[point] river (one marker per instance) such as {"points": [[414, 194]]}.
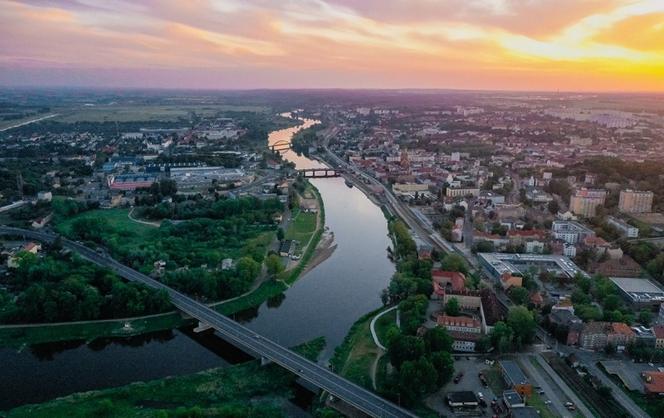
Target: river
{"points": [[325, 302]]}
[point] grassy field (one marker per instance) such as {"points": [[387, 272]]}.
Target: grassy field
{"points": [[354, 357], [290, 276], [146, 113], [117, 219], [495, 379], [537, 402], [247, 389], [302, 227]]}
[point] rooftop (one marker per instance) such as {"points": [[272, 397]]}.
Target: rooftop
{"points": [[465, 397], [502, 263], [639, 290], [654, 382], [512, 398], [513, 373]]}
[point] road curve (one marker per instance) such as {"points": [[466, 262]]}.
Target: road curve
{"points": [[362, 399]]}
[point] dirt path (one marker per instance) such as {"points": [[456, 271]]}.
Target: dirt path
{"points": [[130, 215], [374, 368]]}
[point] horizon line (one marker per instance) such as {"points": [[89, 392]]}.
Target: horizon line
{"points": [[322, 89]]}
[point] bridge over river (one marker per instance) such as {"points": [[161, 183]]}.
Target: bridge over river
{"points": [[360, 398]]}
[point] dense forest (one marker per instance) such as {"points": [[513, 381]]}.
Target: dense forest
{"points": [[58, 288], [249, 209]]}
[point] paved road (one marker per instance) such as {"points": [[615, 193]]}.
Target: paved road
{"points": [[583, 409], [372, 326], [351, 393], [541, 381], [28, 122]]}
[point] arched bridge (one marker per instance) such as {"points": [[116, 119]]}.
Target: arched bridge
{"points": [[320, 172], [243, 337]]}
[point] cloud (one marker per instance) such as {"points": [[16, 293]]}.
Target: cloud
{"points": [[382, 43]]}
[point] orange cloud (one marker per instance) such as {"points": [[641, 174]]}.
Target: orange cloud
{"points": [[539, 44]]}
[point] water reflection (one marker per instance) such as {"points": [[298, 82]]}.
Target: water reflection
{"points": [[324, 302]]}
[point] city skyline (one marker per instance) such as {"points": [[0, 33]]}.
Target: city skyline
{"points": [[594, 45]]}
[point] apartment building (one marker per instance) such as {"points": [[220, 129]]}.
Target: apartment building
{"points": [[635, 201], [584, 202], [623, 227]]}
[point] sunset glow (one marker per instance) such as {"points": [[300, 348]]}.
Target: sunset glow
{"points": [[615, 45]]}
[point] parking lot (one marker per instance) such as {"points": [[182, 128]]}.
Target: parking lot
{"points": [[470, 367]]}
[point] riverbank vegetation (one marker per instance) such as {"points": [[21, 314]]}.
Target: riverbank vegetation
{"points": [[60, 286], [244, 390], [190, 250], [196, 280], [417, 361]]}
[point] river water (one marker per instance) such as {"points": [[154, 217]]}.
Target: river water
{"points": [[323, 302]]}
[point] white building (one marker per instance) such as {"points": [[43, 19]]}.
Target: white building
{"points": [[571, 232], [623, 227]]}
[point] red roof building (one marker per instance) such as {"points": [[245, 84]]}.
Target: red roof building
{"points": [[653, 382], [447, 280], [459, 323]]}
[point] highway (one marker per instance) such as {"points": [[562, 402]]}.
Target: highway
{"points": [[354, 395]]}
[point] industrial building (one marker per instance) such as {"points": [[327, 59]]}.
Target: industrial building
{"points": [[497, 264], [130, 182], [201, 177], [639, 292]]}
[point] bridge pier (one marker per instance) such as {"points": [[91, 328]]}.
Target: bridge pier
{"points": [[265, 361], [202, 326]]}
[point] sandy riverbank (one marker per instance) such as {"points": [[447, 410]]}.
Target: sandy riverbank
{"points": [[323, 251]]}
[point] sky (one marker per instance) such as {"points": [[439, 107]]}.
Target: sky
{"points": [[550, 45]]}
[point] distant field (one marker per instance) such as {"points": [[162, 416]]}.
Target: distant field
{"points": [[139, 113]]}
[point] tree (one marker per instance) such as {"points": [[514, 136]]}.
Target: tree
{"points": [[553, 206], [413, 311], [405, 348], [645, 317], [417, 378], [452, 307], [521, 320], [611, 302], [438, 339], [444, 364], [519, 295], [483, 246], [274, 264], [501, 337], [247, 269], [454, 262], [280, 234]]}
